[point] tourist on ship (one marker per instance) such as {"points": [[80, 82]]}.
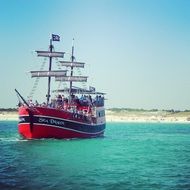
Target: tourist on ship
{"points": [[59, 100]]}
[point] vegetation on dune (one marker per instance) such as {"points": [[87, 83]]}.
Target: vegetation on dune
{"points": [[144, 110], [8, 109], [121, 110]]}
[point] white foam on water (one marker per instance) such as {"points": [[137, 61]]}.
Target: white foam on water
{"points": [[11, 139]]}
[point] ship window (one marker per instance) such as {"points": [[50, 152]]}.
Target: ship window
{"points": [[101, 113]]}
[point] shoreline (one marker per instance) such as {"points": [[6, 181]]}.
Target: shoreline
{"points": [[147, 117], [139, 120], [8, 116], [128, 117]]}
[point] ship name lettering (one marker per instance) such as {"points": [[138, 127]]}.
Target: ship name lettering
{"points": [[43, 120], [21, 119], [56, 122]]}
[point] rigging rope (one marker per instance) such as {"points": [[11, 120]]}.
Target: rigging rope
{"points": [[33, 90], [61, 82], [80, 74]]}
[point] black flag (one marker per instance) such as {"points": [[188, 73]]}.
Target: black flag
{"points": [[55, 37]]}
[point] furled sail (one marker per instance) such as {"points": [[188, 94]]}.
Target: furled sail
{"points": [[72, 64], [59, 73], [72, 78], [50, 54], [77, 90]]}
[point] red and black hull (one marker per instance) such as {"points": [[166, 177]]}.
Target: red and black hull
{"points": [[43, 122]]}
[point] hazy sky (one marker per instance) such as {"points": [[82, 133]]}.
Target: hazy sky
{"points": [[137, 51]]}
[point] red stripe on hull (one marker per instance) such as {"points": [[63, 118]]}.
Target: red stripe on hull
{"points": [[40, 131], [43, 111]]}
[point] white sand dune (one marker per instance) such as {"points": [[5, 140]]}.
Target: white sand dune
{"points": [[8, 116], [147, 116]]}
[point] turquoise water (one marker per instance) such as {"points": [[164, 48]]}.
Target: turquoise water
{"points": [[130, 156]]}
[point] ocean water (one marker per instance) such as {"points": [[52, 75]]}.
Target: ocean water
{"points": [[131, 156]]}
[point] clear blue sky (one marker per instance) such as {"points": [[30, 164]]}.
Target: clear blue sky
{"points": [[137, 51]]}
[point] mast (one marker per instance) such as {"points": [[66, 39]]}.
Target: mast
{"points": [[50, 73], [49, 78], [72, 60]]}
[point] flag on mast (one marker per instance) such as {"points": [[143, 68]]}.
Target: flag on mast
{"points": [[55, 37]]}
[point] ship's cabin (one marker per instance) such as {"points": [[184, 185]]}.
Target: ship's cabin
{"points": [[84, 102]]}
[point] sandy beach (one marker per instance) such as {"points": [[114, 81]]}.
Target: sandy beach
{"points": [[8, 116], [147, 116], [125, 116]]}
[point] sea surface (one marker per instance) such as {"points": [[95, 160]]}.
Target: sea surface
{"points": [[131, 156]]}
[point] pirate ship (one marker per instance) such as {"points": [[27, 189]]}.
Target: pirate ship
{"points": [[73, 112]]}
